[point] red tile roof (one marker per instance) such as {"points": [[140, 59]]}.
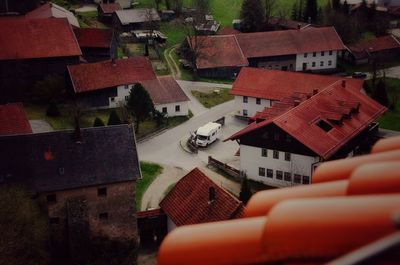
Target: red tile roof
{"points": [[218, 51], [105, 74], [164, 90], [94, 38], [48, 10], [36, 38], [287, 42], [188, 202], [362, 49], [13, 120], [110, 8], [275, 85], [228, 31], [345, 109]]}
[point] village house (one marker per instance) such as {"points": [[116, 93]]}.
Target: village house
{"points": [[105, 11], [96, 44], [381, 48], [84, 180], [307, 49], [136, 19], [13, 120], [255, 89], [48, 10], [287, 141], [197, 199], [31, 50]]}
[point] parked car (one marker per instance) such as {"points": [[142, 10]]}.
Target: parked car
{"points": [[359, 75]]}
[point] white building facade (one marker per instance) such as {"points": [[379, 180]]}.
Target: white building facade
{"points": [[276, 168], [249, 106], [316, 61]]}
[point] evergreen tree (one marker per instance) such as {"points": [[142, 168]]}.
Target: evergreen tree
{"points": [[252, 15], [98, 122], [113, 119], [295, 12], [380, 93], [245, 192], [140, 103], [52, 110], [311, 11], [336, 5], [346, 8]]}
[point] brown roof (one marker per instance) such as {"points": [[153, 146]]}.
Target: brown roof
{"points": [[13, 120], [164, 90], [105, 74], [110, 8], [228, 31], [188, 202], [93, 37], [218, 51], [287, 42], [275, 85], [362, 49], [36, 38]]}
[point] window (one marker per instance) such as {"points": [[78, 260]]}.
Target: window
{"points": [[258, 101], [288, 138], [287, 156], [288, 176], [314, 54], [261, 172], [276, 136], [126, 86], [322, 53], [270, 173], [306, 180], [102, 192], [264, 152], [279, 175], [321, 63], [103, 216], [313, 64], [324, 125], [54, 220], [126, 98], [276, 154], [51, 198], [296, 178], [330, 52], [329, 62], [177, 108], [305, 55], [245, 112], [245, 99], [112, 99], [164, 110]]}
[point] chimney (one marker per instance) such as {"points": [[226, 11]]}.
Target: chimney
{"points": [[211, 195], [315, 91], [343, 83]]}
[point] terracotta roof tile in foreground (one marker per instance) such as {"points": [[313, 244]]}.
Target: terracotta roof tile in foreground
{"points": [[105, 74], [188, 202], [275, 85], [164, 90], [36, 38], [93, 37], [13, 120]]}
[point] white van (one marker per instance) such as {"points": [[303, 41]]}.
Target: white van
{"points": [[208, 133]]}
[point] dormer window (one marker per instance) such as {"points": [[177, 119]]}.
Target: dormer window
{"points": [[324, 125]]}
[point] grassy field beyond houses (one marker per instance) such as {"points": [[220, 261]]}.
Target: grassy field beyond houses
{"points": [[213, 98]]}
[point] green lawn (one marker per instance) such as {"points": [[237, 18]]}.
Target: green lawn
{"points": [[212, 98], [391, 119], [150, 171]]}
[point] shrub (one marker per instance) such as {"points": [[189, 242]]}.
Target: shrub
{"points": [[52, 110], [113, 118], [98, 122]]}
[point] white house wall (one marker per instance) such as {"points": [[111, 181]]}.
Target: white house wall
{"points": [[300, 59], [171, 108], [251, 106], [251, 159]]}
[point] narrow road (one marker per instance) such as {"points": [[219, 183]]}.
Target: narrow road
{"points": [[174, 68]]}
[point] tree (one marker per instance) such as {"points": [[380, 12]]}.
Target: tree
{"points": [[311, 11], [52, 110], [346, 8], [49, 89], [245, 192], [113, 119], [295, 11], [270, 6], [202, 8], [176, 5], [157, 4], [380, 93], [24, 229], [159, 117], [98, 122], [252, 16], [335, 5], [140, 103]]}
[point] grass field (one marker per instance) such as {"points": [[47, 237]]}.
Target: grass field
{"points": [[150, 171], [212, 98]]}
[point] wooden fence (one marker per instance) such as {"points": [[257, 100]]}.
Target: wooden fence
{"points": [[231, 171]]}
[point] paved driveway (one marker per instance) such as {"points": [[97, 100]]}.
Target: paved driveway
{"points": [[39, 126]]}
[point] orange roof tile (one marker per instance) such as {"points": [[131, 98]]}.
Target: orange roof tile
{"points": [[188, 202], [93, 37], [13, 120]]}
